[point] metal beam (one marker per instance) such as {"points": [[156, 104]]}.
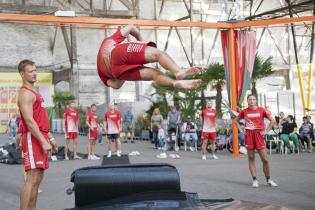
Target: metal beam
{"points": [[271, 12], [260, 38], [277, 46], [183, 46], [67, 42], [127, 4], [28, 9], [213, 45]]}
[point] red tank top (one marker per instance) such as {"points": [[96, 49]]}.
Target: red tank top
{"points": [[39, 113]]}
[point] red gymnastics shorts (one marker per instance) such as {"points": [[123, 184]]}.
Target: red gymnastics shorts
{"points": [[254, 140], [127, 59], [209, 136], [32, 152], [93, 134], [71, 135]]}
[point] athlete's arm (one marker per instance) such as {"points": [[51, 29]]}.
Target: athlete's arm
{"points": [[64, 122], [52, 143], [115, 83], [25, 103], [133, 31], [105, 125], [271, 124]]}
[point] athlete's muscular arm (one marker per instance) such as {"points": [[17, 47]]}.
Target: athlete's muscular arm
{"points": [[115, 83], [133, 31], [52, 143], [105, 126], [25, 103], [271, 124]]}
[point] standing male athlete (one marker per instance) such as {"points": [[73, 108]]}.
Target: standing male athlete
{"points": [[118, 62], [71, 129], [35, 143], [92, 123], [209, 126]]}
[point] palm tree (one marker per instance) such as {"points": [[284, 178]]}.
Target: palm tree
{"points": [[262, 68], [215, 73], [61, 100]]}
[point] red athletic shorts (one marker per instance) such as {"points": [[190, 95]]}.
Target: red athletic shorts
{"points": [[209, 136], [254, 140], [127, 59], [32, 152], [71, 135], [93, 134]]}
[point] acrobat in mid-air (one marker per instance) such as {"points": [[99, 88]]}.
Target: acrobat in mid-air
{"points": [[119, 61]]}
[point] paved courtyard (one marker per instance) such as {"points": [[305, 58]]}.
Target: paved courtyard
{"points": [[223, 178]]}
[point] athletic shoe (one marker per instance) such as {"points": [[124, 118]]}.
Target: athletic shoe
{"points": [[132, 141], [95, 157], [162, 155], [177, 156], [204, 157], [215, 157], [66, 158], [109, 154], [272, 183], [118, 154], [77, 158], [89, 157], [172, 156], [255, 184], [191, 149]]}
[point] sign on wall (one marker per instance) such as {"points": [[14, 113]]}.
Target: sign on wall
{"points": [[10, 83]]}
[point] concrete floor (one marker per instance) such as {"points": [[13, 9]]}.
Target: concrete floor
{"points": [[223, 178]]}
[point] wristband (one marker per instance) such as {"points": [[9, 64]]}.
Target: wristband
{"points": [[52, 140]]}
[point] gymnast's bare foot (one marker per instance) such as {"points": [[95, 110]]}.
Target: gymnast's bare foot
{"points": [[187, 84], [188, 72]]}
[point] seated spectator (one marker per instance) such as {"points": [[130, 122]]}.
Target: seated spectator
{"points": [[312, 133], [161, 137], [289, 132], [241, 136], [189, 130], [305, 131]]}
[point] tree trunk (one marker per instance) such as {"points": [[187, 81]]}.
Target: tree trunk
{"points": [[218, 99], [254, 90]]}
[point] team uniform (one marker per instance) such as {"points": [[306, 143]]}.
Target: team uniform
{"points": [[70, 123], [117, 60], [32, 151], [254, 124], [208, 124], [113, 124], [93, 121]]}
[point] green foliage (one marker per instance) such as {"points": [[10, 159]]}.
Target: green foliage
{"points": [[61, 100], [262, 69], [190, 101]]}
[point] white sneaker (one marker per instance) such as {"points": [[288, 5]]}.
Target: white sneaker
{"points": [[215, 157], [89, 157], [191, 149], [162, 155], [177, 156], [204, 157], [109, 154], [95, 157], [172, 156], [272, 183], [118, 154], [255, 184]]}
